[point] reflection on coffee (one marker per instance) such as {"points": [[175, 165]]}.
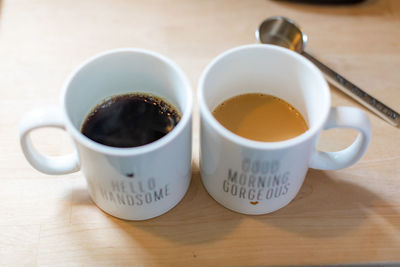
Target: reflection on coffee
{"points": [[130, 120], [260, 117]]}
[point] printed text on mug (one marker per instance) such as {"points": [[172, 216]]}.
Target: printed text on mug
{"points": [[134, 193], [256, 181]]}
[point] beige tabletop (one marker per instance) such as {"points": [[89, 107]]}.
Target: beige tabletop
{"points": [[339, 217]]}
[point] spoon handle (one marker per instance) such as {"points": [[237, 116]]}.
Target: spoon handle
{"points": [[357, 93]]}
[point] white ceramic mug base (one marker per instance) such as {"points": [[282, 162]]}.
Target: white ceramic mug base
{"points": [[254, 177]]}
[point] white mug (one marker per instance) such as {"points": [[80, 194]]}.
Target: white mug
{"points": [[255, 177], [130, 183]]}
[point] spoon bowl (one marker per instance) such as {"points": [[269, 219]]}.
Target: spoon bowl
{"points": [[283, 32]]}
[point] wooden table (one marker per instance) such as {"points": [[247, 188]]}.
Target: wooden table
{"points": [[339, 217]]}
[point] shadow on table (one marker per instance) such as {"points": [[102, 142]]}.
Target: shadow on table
{"points": [[338, 7], [324, 208], [327, 2], [196, 219], [327, 208]]}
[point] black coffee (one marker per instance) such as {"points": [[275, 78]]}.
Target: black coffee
{"points": [[130, 120]]}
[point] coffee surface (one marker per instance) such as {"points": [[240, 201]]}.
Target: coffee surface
{"points": [[260, 117], [130, 120]]}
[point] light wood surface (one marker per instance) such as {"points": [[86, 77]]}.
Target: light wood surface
{"points": [[346, 216]]}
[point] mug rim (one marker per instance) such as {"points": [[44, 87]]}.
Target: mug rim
{"points": [[260, 145], [130, 151]]}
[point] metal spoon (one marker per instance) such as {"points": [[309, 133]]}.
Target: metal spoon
{"points": [[285, 32]]}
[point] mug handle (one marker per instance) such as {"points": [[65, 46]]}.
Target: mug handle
{"points": [[344, 117], [39, 118]]}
